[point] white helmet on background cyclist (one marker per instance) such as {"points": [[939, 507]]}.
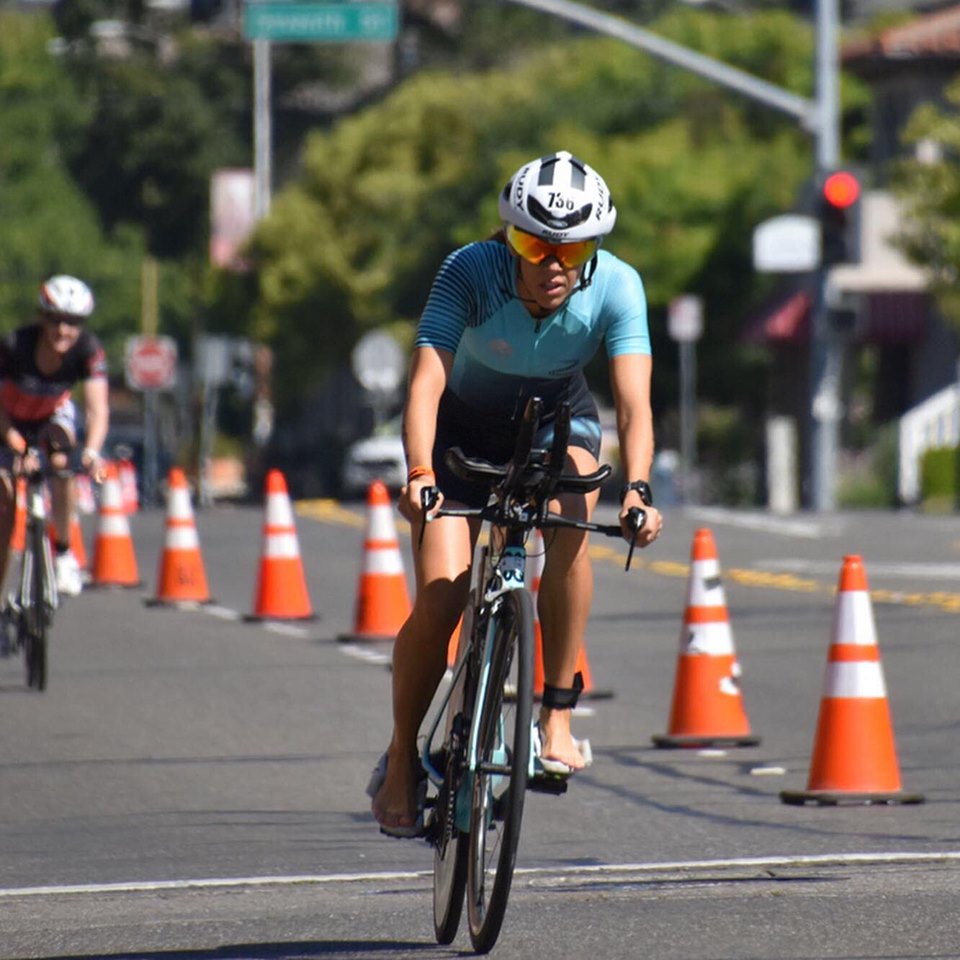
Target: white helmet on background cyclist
{"points": [[66, 295], [558, 198]]}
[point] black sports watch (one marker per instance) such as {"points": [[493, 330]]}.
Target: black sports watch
{"points": [[642, 487]]}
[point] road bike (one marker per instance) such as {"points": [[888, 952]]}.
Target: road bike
{"points": [[28, 612], [481, 747]]}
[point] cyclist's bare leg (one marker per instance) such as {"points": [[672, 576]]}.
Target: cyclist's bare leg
{"points": [[563, 601], [59, 443], [442, 567]]}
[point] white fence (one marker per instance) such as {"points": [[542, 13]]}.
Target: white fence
{"points": [[933, 423]]}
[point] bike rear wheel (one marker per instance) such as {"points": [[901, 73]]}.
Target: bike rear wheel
{"points": [[449, 858], [500, 781]]}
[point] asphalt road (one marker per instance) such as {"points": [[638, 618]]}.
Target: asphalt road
{"points": [[191, 784]]}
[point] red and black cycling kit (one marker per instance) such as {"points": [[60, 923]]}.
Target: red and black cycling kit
{"points": [[30, 396]]}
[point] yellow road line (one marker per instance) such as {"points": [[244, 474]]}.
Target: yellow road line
{"points": [[331, 511]]}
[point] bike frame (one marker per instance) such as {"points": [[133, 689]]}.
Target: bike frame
{"points": [[497, 577], [36, 533]]}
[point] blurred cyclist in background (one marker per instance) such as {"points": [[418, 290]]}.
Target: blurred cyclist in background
{"points": [[40, 363]]}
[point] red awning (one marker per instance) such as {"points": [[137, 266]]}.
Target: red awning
{"points": [[788, 321]]}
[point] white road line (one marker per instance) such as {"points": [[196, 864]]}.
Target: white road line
{"points": [[288, 629], [224, 613], [918, 571], [598, 870], [364, 653]]}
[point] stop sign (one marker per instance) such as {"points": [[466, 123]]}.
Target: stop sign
{"points": [[151, 363]]}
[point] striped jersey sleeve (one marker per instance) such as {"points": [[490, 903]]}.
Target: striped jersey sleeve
{"points": [[624, 307], [470, 285]]}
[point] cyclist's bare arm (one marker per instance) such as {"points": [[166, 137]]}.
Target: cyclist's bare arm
{"points": [[630, 376], [429, 371], [10, 435], [97, 414]]}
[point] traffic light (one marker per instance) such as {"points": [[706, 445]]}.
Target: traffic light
{"points": [[839, 202]]}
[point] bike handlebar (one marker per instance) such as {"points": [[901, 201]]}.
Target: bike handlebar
{"points": [[491, 514], [526, 484], [42, 459]]}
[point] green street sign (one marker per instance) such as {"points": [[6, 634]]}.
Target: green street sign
{"points": [[333, 22]]}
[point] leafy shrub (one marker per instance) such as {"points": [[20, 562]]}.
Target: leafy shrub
{"points": [[869, 478], [938, 477]]}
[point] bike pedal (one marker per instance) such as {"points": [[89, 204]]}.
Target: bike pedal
{"points": [[555, 785]]}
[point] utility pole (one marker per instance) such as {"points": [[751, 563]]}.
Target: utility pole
{"points": [[262, 134], [826, 348], [821, 118]]}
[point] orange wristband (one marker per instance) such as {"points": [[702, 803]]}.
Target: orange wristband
{"points": [[417, 472]]}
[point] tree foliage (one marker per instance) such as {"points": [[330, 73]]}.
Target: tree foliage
{"points": [[929, 186], [49, 225], [354, 242]]}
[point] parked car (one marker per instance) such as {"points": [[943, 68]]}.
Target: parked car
{"points": [[377, 457]]}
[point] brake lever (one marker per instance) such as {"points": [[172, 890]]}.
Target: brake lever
{"points": [[428, 500], [637, 519]]}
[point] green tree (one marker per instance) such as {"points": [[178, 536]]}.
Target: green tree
{"points": [[49, 226], [928, 184]]}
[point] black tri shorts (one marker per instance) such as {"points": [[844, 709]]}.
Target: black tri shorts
{"points": [[494, 438]]}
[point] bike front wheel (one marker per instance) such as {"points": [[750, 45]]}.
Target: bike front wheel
{"points": [[36, 613], [500, 780], [450, 841]]}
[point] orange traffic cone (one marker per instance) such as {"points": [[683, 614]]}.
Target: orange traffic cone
{"points": [[114, 560], [383, 601], [854, 757], [707, 708], [536, 560], [86, 503], [18, 537], [128, 485], [281, 586], [181, 577], [453, 645]]}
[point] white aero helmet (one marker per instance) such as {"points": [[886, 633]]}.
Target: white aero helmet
{"points": [[63, 294], [558, 198]]}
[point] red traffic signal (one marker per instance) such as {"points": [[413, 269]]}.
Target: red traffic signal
{"points": [[839, 214], [841, 189]]}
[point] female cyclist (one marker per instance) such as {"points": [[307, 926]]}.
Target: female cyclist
{"points": [[506, 319]]}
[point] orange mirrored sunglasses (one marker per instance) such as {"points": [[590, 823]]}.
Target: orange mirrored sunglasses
{"points": [[535, 250]]}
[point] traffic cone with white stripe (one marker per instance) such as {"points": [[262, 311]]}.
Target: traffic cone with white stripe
{"points": [[383, 600], [86, 502], [707, 708], [281, 592], [114, 559], [181, 577], [854, 757], [128, 485]]}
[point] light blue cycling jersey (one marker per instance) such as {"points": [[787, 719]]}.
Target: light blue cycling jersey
{"points": [[473, 311]]}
